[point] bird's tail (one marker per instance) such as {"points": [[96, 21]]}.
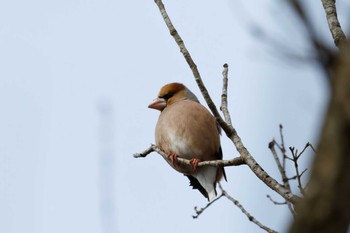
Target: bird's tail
{"points": [[205, 181]]}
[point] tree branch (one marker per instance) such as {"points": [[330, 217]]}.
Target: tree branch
{"points": [[333, 22], [279, 165], [201, 210], [216, 163], [145, 152], [224, 107], [276, 202], [282, 147], [295, 158], [245, 212]]}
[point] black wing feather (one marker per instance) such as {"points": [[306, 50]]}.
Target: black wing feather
{"points": [[196, 185]]}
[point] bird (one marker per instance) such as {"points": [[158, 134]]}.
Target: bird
{"points": [[186, 129]]}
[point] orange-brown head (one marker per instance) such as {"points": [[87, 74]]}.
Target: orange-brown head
{"points": [[171, 93]]}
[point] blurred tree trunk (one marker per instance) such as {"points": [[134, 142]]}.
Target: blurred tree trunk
{"points": [[326, 207]]}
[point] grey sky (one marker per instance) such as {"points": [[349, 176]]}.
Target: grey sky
{"points": [[60, 60]]}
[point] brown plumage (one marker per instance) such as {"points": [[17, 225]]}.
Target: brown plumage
{"points": [[186, 129]]}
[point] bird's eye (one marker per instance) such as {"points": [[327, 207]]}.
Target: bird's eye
{"points": [[167, 96]]}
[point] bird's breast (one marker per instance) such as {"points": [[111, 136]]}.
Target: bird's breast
{"points": [[188, 130]]}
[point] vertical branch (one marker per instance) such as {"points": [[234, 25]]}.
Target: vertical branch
{"points": [[283, 148], [281, 169], [295, 159], [296, 165], [333, 22], [224, 107]]}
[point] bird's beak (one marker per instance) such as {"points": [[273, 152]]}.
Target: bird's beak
{"points": [[158, 104]]}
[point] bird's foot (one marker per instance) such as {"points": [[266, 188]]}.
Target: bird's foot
{"points": [[194, 162], [173, 158]]}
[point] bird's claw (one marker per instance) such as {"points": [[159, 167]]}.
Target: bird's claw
{"points": [[194, 162], [173, 158]]}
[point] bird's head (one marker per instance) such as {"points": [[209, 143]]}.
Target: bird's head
{"points": [[171, 93]]}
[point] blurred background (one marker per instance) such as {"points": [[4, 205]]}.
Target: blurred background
{"points": [[76, 78]]}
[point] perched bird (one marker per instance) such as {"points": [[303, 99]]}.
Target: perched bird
{"points": [[186, 129]]}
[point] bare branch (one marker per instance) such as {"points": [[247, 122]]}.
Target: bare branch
{"points": [[269, 181], [216, 163], [144, 153], [292, 178], [333, 22], [296, 156], [302, 173], [224, 107], [232, 162], [282, 167], [305, 147], [276, 202], [290, 207], [279, 165], [245, 212], [201, 210], [282, 147], [312, 147]]}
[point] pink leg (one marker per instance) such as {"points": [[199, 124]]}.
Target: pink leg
{"points": [[173, 158], [194, 163]]}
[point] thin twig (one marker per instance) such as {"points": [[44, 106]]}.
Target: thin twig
{"points": [[224, 101], [245, 212], [201, 210], [282, 148], [282, 167], [295, 159], [306, 146], [302, 173], [312, 147], [296, 156], [296, 176], [290, 206], [279, 165], [333, 22], [282, 170], [293, 177], [144, 153], [276, 202]]}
